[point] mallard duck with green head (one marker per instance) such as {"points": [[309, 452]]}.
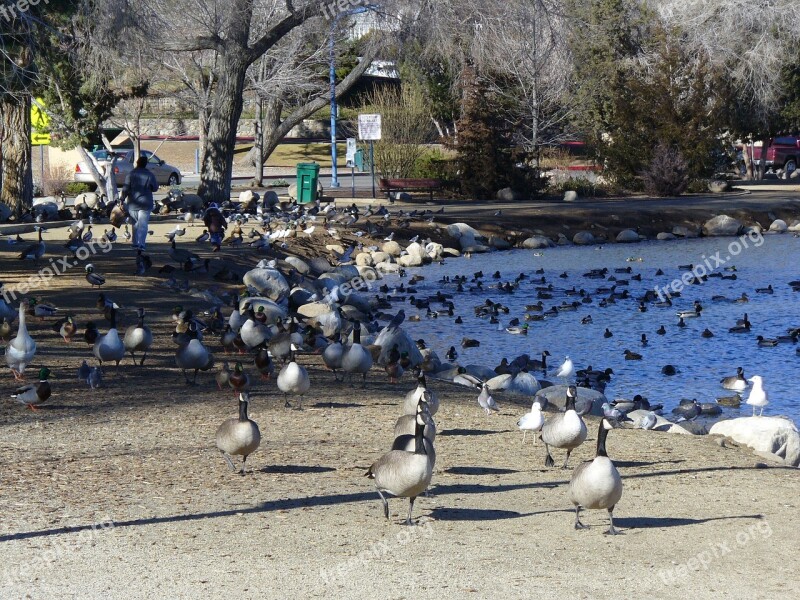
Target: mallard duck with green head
{"points": [[34, 393]]}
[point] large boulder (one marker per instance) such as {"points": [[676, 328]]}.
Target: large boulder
{"points": [[556, 395], [537, 241], [379, 257], [416, 249], [508, 195], [627, 236], [480, 371], [434, 251], [717, 186], [774, 435], [364, 259], [499, 243], [267, 282], [410, 260], [684, 232], [298, 263], [722, 225], [457, 230], [637, 415], [778, 226], [90, 199], [388, 337], [665, 235], [583, 238], [570, 196], [392, 248], [795, 226]]}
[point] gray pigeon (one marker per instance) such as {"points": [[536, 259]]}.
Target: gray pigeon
{"points": [[95, 377], [486, 401], [397, 320], [83, 371], [648, 421]]}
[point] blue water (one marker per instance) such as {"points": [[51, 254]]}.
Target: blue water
{"points": [[701, 362]]}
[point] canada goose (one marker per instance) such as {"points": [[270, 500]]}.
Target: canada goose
{"points": [[239, 436], [21, 350], [34, 251], [94, 279], [193, 355], [138, 338], [332, 357], [293, 379], [539, 364], [34, 393], [596, 484], [531, 421], [413, 397], [486, 401], [406, 425], [758, 395], [356, 359], [404, 474], [408, 441], [181, 255], [109, 347], [564, 430]]}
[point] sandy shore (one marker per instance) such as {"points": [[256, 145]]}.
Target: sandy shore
{"points": [[120, 493]]}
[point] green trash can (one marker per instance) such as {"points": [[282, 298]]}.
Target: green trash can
{"points": [[358, 161], [307, 182]]}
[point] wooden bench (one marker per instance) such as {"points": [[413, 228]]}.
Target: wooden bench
{"points": [[409, 185]]}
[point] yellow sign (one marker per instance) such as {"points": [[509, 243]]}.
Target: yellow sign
{"points": [[39, 121]]}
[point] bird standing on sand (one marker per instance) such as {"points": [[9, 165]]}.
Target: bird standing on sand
{"points": [[486, 401], [758, 395], [34, 393], [239, 436], [531, 421], [565, 430]]}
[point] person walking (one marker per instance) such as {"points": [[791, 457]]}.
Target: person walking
{"points": [[138, 191], [216, 223]]}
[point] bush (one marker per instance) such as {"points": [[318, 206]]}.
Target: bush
{"points": [[435, 164], [562, 182], [698, 186], [73, 188], [668, 173]]}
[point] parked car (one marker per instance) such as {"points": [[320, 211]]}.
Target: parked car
{"points": [[165, 174], [783, 153]]}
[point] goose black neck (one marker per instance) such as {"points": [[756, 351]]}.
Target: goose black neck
{"points": [[602, 434], [242, 410], [570, 405], [357, 333], [421, 380], [419, 438]]}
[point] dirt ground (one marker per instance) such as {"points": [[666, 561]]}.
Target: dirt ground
{"points": [[120, 492]]}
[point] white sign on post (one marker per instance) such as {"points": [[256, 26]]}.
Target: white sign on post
{"points": [[351, 151], [369, 127]]}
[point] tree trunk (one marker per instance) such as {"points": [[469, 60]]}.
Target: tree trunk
{"points": [[271, 121], [217, 163], [762, 167], [258, 145], [16, 177]]}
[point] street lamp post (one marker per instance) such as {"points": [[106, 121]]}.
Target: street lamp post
{"points": [[334, 110]]}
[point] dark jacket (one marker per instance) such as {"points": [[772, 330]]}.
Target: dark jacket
{"points": [[138, 189], [214, 220]]}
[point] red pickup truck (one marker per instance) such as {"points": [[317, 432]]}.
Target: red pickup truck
{"points": [[783, 153]]}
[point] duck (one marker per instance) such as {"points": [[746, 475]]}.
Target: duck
{"points": [[451, 354], [35, 251], [766, 290], [690, 314], [68, 329], [223, 376], [91, 333], [737, 382], [94, 279], [523, 330], [470, 343], [661, 330], [42, 310], [239, 380], [22, 349], [138, 338], [356, 360], [531, 421], [264, 364], [5, 330], [394, 370], [564, 430], [596, 484], [707, 333], [669, 370], [766, 342], [758, 395], [193, 355], [109, 347], [293, 379], [239, 435], [688, 409], [34, 393], [404, 474]]}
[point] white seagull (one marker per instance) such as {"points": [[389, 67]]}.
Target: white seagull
{"points": [[758, 395], [531, 421], [566, 370]]}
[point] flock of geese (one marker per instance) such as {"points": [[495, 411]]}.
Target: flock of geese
{"points": [[265, 334]]}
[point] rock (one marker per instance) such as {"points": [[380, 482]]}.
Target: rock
{"points": [[457, 230], [508, 195], [416, 249], [690, 427], [481, 372], [685, 232], [665, 235], [661, 423], [192, 202], [337, 249], [451, 252], [313, 309], [387, 338], [392, 248], [627, 236], [292, 191], [722, 225], [434, 251], [775, 435], [583, 238], [368, 273], [248, 199], [298, 263], [795, 226], [319, 265], [537, 241], [467, 241], [556, 395], [430, 361], [476, 248], [410, 260], [563, 240], [678, 429], [499, 382], [717, 186], [570, 196], [499, 243], [379, 257], [272, 311], [267, 282], [364, 259], [755, 229], [730, 401], [779, 226], [387, 267]]}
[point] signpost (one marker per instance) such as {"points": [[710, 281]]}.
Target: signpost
{"points": [[351, 162], [39, 136], [369, 129]]}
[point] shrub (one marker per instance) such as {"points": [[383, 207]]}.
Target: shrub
{"points": [[73, 188], [698, 186], [668, 173], [435, 164]]}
